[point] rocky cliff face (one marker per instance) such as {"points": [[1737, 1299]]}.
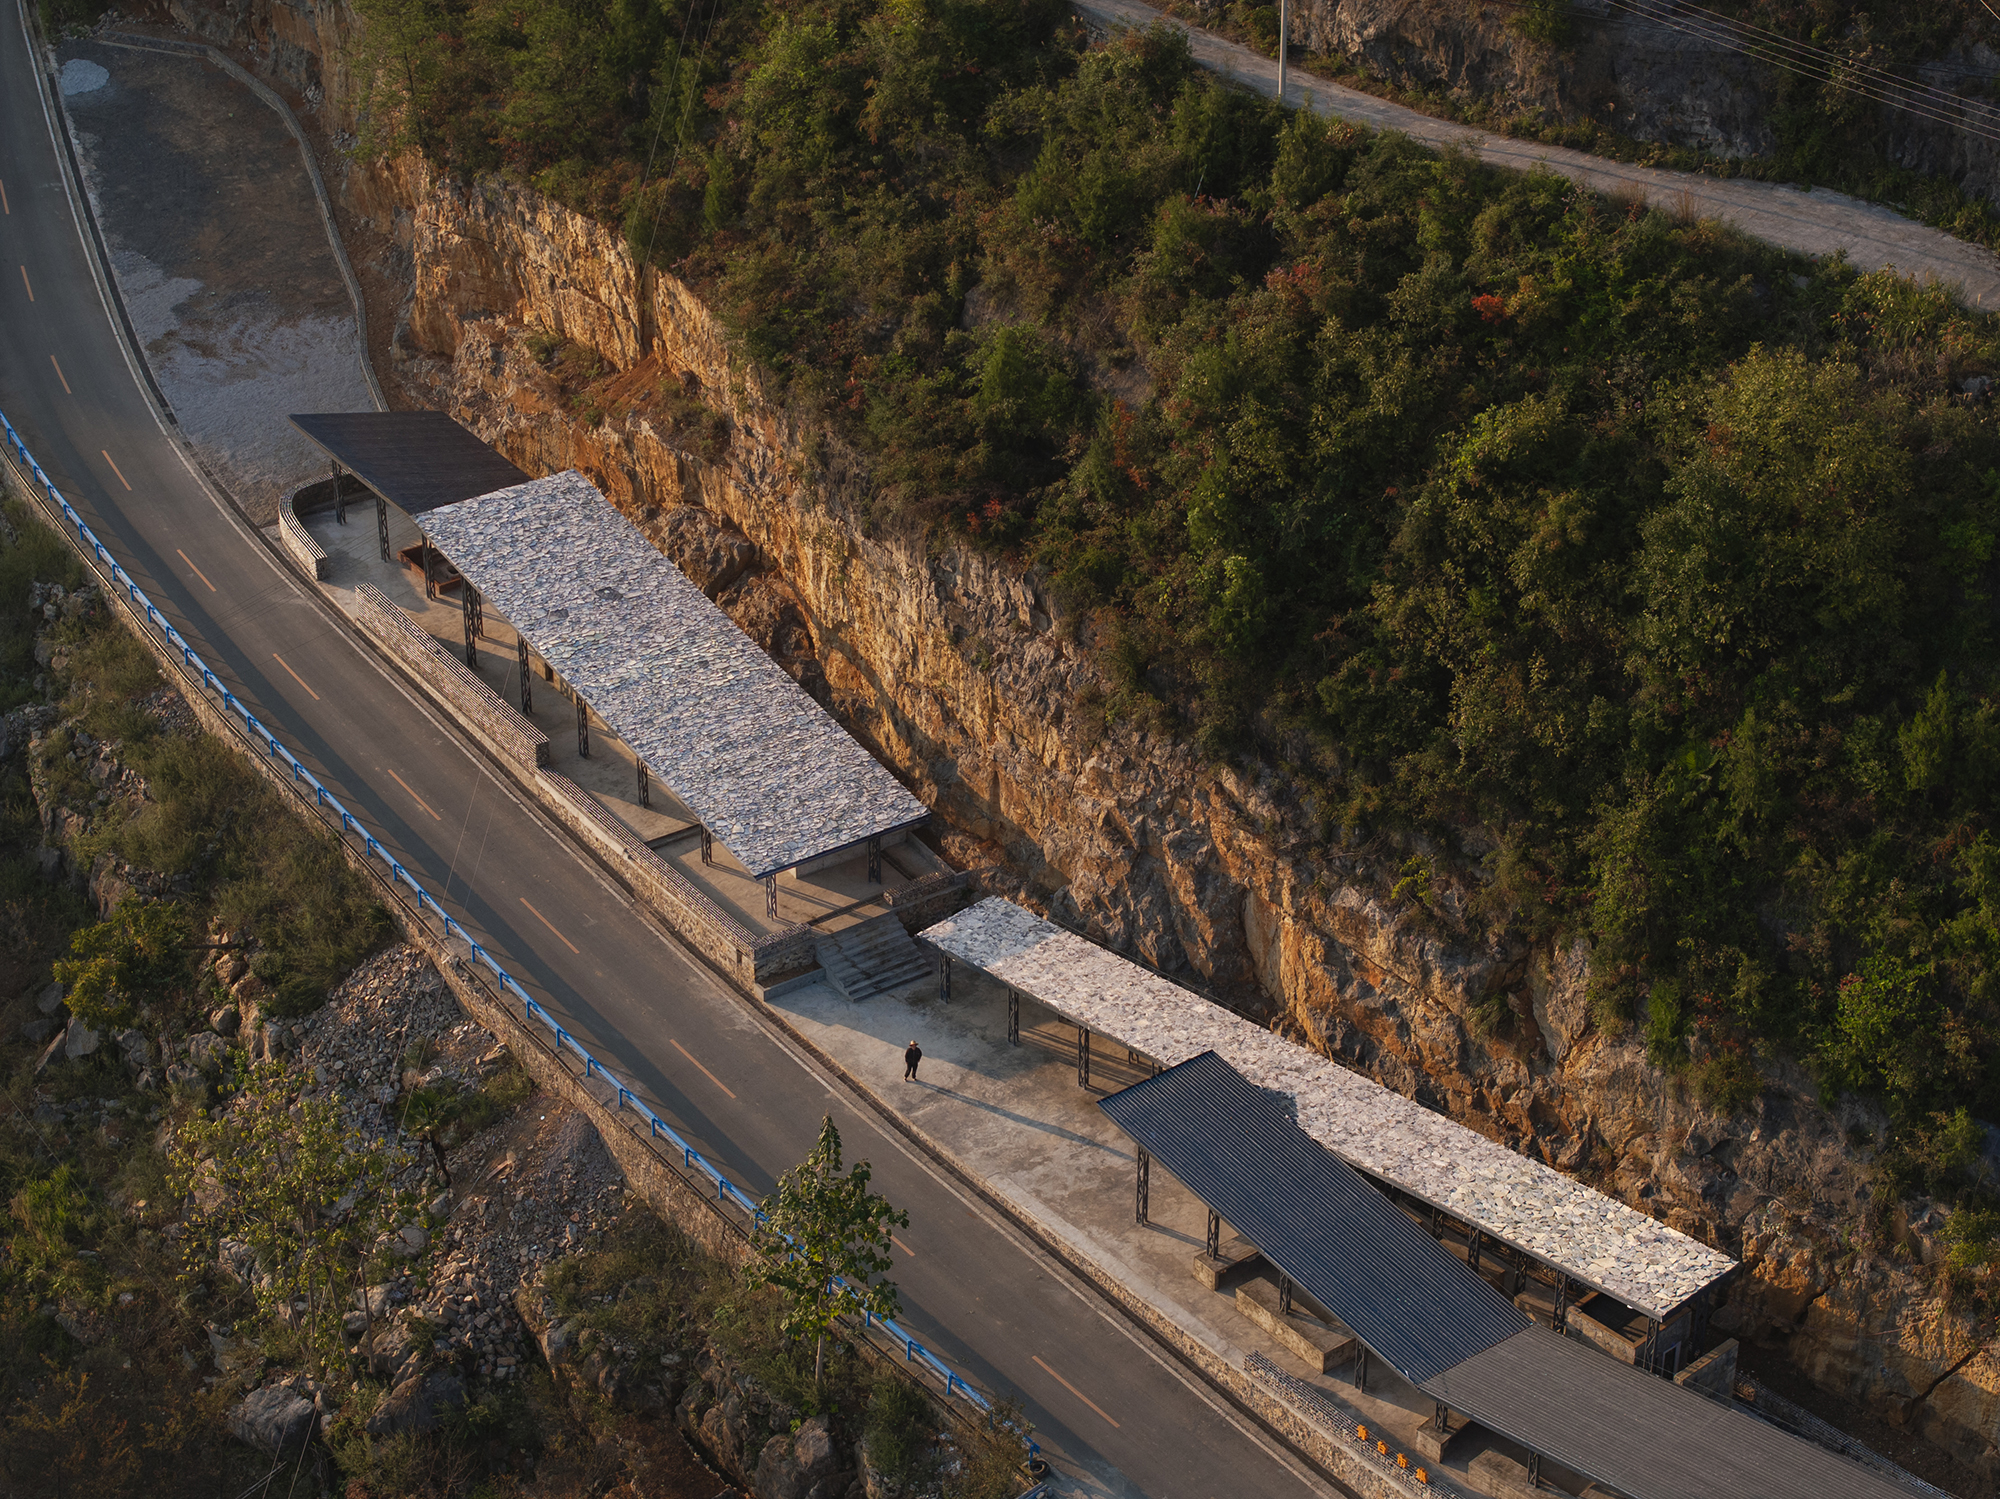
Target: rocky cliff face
{"points": [[1642, 78], [533, 326]]}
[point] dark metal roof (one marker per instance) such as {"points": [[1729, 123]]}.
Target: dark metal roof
{"points": [[1638, 1433], [416, 460], [1237, 1147]]}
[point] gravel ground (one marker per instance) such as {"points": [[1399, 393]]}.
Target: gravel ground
{"points": [[221, 255]]}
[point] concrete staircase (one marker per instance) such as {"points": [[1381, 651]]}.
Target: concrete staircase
{"points": [[875, 957]]}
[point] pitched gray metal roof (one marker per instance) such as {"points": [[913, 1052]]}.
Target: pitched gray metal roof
{"points": [[1523, 1203], [416, 460], [1236, 1147], [761, 764], [1640, 1434]]}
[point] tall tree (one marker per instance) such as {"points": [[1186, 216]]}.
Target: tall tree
{"points": [[823, 1242]]}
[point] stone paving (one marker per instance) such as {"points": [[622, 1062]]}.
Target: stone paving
{"points": [[762, 765], [1599, 1241]]}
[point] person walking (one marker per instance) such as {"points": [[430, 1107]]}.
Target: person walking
{"points": [[911, 1057]]}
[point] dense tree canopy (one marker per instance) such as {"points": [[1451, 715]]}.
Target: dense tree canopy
{"points": [[1647, 570]]}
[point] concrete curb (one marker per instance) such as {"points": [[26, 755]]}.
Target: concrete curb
{"points": [[170, 47]]}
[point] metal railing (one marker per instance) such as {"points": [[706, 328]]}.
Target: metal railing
{"points": [[329, 805], [1368, 1447]]}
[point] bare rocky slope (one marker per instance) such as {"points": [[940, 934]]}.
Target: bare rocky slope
{"points": [[966, 676], [1641, 78]]}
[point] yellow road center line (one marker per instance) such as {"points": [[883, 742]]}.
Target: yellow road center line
{"points": [[197, 571], [902, 1246], [418, 799], [552, 927], [59, 375], [27, 283], [1072, 1388], [703, 1070], [3, 199], [292, 674], [117, 470]]}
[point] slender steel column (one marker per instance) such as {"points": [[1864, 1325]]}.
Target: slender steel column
{"points": [[1145, 1175], [1013, 1018], [944, 976], [382, 526], [1083, 1056], [527, 678], [874, 861], [1284, 1294], [645, 789], [582, 728], [468, 605], [339, 498], [770, 895], [1361, 1367], [1214, 1234], [707, 847]]}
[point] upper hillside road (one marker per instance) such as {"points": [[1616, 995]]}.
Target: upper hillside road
{"points": [[973, 1288], [1813, 223]]}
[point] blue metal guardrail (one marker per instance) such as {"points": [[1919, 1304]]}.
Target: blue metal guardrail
{"points": [[725, 1190]]}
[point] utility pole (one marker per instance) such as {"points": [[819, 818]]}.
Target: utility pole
{"points": [[1284, 37]]}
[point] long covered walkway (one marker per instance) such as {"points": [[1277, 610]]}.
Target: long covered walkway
{"points": [[1238, 1147]]}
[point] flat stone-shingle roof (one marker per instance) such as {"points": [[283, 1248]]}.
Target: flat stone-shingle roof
{"points": [[1604, 1244], [763, 766]]}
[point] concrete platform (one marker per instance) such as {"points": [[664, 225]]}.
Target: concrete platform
{"points": [[1239, 1258], [1320, 1346], [1013, 1120], [829, 898]]}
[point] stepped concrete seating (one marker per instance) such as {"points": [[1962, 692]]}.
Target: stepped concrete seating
{"points": [[1321, 1346], [874, 957]]}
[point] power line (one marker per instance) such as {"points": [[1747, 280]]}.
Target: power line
{"points": [[1827, 57], [1821, 70]]}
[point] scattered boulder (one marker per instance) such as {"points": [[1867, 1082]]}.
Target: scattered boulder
{"points": [[206, 1052], [37, 1032], [50, 999], [417, 1404], [236, 1260], [802, 1465], [135, 1049], [392, 1351], [274, 1420], [225, 1020], [80, 1040], [411, 1240]]}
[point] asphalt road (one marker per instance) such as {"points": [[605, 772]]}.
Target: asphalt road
{"points": [[972, 1288]]}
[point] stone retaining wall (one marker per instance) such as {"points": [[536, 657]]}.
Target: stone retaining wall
{"points": [[787, 952], [456, 690], [664, 1189], [695, 919], [930, 899], [299, 543]]}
